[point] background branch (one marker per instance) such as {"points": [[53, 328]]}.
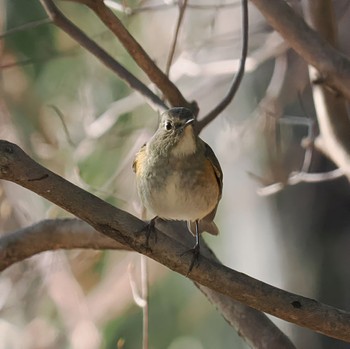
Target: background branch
{"points": [[74, 32], [140, 56], [333, 66], [182, 8], [237, 78], [52, 234], [332, 112], [19, 168]]}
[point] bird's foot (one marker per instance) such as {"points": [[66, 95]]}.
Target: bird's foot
{"points": [[195, 251], [150, 229]]}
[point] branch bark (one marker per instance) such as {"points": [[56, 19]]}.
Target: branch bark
{"points": [[18, 167]]}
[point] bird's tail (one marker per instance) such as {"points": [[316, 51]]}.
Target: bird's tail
{"points": [[203, 226]]}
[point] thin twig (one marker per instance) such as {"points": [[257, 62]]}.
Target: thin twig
{"points": [[26, 26], [296, 178], [73, 31], [238, 77], [182, 8], [65, 128]]}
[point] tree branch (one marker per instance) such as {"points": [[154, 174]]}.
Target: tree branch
{"points": [[140, 56], [333, 66], [18, 167], [74, 32], [237, 78], [52, 234], [46, 235], [332, 112]]}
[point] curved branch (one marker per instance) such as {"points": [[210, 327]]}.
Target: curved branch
{"points": [[238, 77], [79, 36], [16, 166]]}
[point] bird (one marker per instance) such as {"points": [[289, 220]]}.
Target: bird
{"points": [[178, 176]]}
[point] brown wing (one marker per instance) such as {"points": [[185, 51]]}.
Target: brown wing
{"points": [[207, 224], [210, 155], [139, 158]]}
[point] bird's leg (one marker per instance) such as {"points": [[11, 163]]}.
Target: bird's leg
{"points": [[151, 229], [195, 250], [148, 229]]}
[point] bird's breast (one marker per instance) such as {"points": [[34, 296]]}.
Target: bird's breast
{"points": [[175, 189]]}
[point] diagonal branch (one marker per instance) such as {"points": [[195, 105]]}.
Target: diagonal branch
{"points": [[73, 31], [140, 56], [238, 77], [52, 234], [16, 166]]}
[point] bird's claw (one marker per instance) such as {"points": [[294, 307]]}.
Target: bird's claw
{"points": [[195, 257], [148, 229]]}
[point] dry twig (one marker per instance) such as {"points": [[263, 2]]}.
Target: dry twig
{"points": [[238, 77]]}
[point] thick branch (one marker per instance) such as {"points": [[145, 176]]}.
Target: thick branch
{"points": [[18, 167], [52, 234], [255, 327], [74, 32]]}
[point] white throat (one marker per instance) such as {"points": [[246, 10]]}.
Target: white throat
{"points": [[186, 145]]}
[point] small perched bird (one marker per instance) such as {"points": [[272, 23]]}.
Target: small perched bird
{"points": [[178, 176]]}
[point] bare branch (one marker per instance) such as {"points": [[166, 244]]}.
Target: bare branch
{"points": [[73, 233], [238, 77], [333, 66], [73, 31], [18, 167], [169, 90], [332, 110], [297, 178], [52, 234]]}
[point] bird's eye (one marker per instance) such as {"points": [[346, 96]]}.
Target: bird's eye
{"points": [[168, 125]]}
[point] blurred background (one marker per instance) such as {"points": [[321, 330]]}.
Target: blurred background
{"points": [[74, 116]]}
